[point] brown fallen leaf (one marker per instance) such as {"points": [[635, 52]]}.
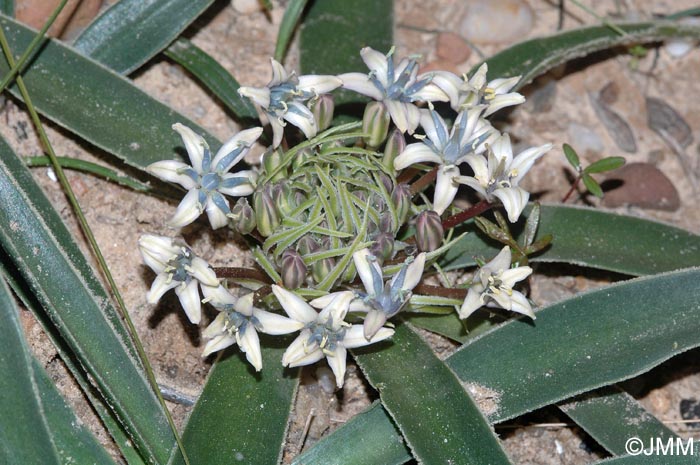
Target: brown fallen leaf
{"points": [[615, 125]]}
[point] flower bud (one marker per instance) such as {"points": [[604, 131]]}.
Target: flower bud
{"points": [[383, 246], [375, 124], [301, 158], [401, 196], [323, 111], [242, 216], [293, 269], [271, 160], [393, 148], [429, 232], [321, 268], [284, 198], [266, 215], [307, 245]]}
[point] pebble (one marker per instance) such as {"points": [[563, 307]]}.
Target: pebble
{"points": [[452, 47], [690, 410], [644, 186], [660, 401], [584, 139], [618, 129], [247, 7], [496, 21]]}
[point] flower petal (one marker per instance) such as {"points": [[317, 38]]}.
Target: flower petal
{"points": [[277, 130], [364, 262], [238, 184], [449, 83], [259, 95], [430, 93], [244, 139], [524, 161], [502, 101], [294, 305], [414, 272], [194, 144], [218, 343], [218, 296], [249, 343], [271, 323], [514, 275], [360, 83], [172, 171], [471, 304], [355, 337], [157, 251], [337, 309], [279, 74], [318, 84], [405, 116], [190, 301], [520, 304], [375, 61], [216, 327], [202, 272], [374, 320], [445, 188], [298, 354], [160, 286], [416, 153], [338, 362], [300, 116], [217, 217], [188, 210], [514, 200]]}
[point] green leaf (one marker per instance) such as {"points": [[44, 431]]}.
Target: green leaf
{"points": [[438, 419], [451, 326], [214, 76], [612, 417], [7, 7], [20, 397], [106, 109], [59, 276], [605, 164], [292, 14], [653, 459], [583, 343], [597, 239], [131, 32], [592, 185], [334, 32], [531, 225], [572, 156], [241, 416], [369, 437], [533, 57]]}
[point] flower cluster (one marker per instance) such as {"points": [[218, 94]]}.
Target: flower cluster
{"points": [[339, 211]]}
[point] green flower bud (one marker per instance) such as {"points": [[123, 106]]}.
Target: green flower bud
{"points": [[393, 148], [383, 246], [321, 268], [284, 198], [301, 158], [266, 215], [375, 124], [323, 111], [429, 231], [293, 269], [401, 196], [307, 245], [271, 160], [242, 216]]}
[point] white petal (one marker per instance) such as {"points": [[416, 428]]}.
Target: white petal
{"points": [[190, 301], [374, 320], [511, 276], [524, 161], [244, 138], [171, 171], [449, 83], [217, 218], [500, 262], [360, 83], [218, 343], [375, 61], [279, 74], [502, 101], [478, 79], [216, 327], [241, 190], [514, 200], [502, 149], [300, 116], [358, 305], [337, 362], [218, 295], [471, 303], [520, 304], [194, 143], [297, 354], [244, 304], [503, 85], [414, 272], [416, 153], [274, 324], [473, 183], [250, 345], [159, 287], [202, 272], [480, 168], [355, 337], [294, 305], [318, 84], [499, 299], [337, 308], [324, 301], [433, 130], [157, 251], [188, 210], [399, 115], [445, 188], [277, 130], [430, 93], [364, 263], [259, 95]]}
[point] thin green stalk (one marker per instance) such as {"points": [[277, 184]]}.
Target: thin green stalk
{"points": [[32, 46], [91, 240], [605, 22]]}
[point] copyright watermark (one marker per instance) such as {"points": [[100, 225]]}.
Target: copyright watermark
{"points": [[660, 446]]}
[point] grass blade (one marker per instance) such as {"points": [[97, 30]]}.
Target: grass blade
{"points": [[292, 14]]}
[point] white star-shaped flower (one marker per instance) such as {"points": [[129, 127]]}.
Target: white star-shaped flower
{"points": [[286, 98], [396, 85], [239, 322], [498, 174], [325, 334], [207, 179], [177, 268], [492, 286]]}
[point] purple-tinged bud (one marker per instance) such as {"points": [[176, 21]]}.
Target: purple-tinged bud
{"points": [[383, 246], [284, 199], [386, 224], [393, 148], [401, 196], [386, 182], [321, 268], [242, 216], [307, 245], [266, 215], [271, 160], [429, 231], [323, 111], [293, 269], [375, 123]]}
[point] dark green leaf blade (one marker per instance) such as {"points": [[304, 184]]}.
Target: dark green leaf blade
{"points": [[292, 14], [7, 7], [369, 437], [241, 416], [653, 459], [605, 164], [59, 276], [131, 32], [592, 185], [612, 417], [438, 419], [212, 75], [597, 239], [97, 104], [533, 57], [583, 343], [19, 395]]}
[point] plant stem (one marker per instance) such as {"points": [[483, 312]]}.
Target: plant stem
{"points": [[424, 181], [242, 273], [467, 214], [85, 227], [449, 292], [574, 185]]}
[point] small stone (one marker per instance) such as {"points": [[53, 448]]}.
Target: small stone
{"points": [[660, 401], [584, 139], [618, 128], [608, 94], [452, 47], [439, 65], [247, 7], [496, 21], [690, 410], [644, 186]]}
